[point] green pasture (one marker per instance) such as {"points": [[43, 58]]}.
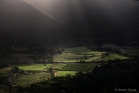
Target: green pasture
{"points": [[40, 66], [34, 66], [26, 80], [78, 67], [64, 73], [60, 66], [79, 53], [112, 56]]}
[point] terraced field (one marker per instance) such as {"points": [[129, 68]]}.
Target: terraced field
{"points": [[80, 54], [77, 54], [71, 61], [112, 56], [78, 67], [26, 80], [34, 66], [59, 67]]}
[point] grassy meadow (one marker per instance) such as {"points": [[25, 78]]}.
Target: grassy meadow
{"points": [[78, 54], [26, 80], [64, 73], [34, 66], [112, 56], [78, 67], [59, 67]]}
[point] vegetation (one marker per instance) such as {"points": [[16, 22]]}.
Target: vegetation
{"points": [[78, 67], [107, 78], [61, 63], [5, 71], [32, 77], [112, 56], [59, 66], [93, 71], [65, 73], [82, 54], [34, 66]]}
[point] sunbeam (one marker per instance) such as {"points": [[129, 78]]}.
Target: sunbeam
{"points": [[40, 9]]}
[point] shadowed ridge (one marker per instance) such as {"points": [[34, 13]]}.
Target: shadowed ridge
{"points": [[24, 24]]}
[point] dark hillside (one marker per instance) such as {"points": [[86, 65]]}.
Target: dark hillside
{"points": [[95, 21], [100, 21], [23, 24]]}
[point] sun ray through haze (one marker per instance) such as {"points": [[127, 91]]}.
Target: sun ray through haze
{"points": [[40, 10]]}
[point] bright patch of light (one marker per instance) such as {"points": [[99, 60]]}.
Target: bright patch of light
{"points": [[42, 5], [66, 10]]}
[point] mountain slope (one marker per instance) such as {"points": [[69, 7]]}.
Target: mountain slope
{"points": [[95, 22], [103, 21], [23, 24]]}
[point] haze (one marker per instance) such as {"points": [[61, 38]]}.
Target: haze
{"points": [[81, 10]]}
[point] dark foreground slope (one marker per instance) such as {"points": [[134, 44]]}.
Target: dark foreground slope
{"points": [[118, 76]]}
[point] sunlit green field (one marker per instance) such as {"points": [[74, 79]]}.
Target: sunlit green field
{"points": [[64, 73], [111, 57], [79, 53], [41, 66], [78, 67], [34, 66], [26, 80], [33, 76], [60, 66]]}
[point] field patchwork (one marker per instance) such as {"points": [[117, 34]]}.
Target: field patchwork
{"points": [[82, 54]]}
